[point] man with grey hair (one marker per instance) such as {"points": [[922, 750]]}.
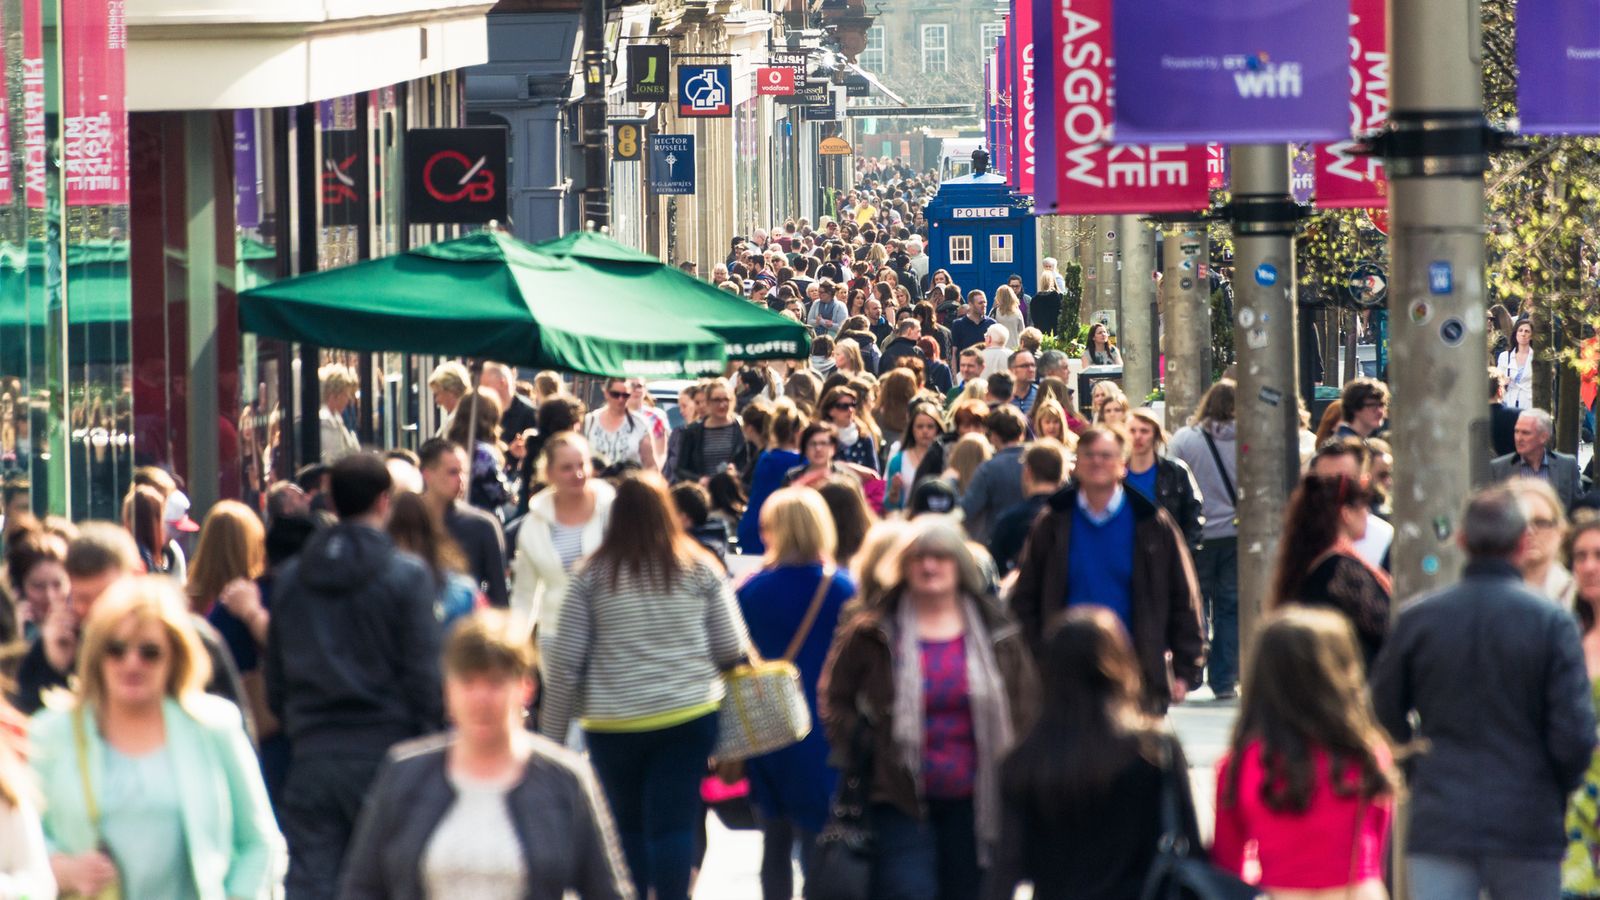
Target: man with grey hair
{"points": [[519, 415], [1053, 364], [1534, 458], [1495, 674]]}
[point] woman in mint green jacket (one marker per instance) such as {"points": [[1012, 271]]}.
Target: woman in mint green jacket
{"points": [[150, 783]]}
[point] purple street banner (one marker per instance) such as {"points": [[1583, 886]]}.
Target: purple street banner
{"points": [[1002, 144], [1302, 172], [1025, 98], [1082, 172], [1241, 71], [1558, 55], [988, 104]]}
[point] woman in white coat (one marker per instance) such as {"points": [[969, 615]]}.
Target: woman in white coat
{"points": [[564, 525], [1516, 364]]}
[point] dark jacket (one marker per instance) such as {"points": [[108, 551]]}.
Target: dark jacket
{"points": [[1502, 429], [1046, 311], [1496, 674], [1346, 585], [518, 417], [352, 664], [1179, 494], [868, 342], [484, 545], [689, 463], [1165, 594], [563, 824], [1010, 531], [859, 678], [898, 348]]}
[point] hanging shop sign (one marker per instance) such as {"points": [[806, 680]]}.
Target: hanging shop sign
{"points": [[456, 175], [705, 92], [1085, 174], [834, 146], [1245, 71], [627, 142], [671, 164], [648, 73], [775, 81], [1346, 180], [94, 124]]}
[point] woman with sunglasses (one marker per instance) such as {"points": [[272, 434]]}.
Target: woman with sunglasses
{"points": [[1318, 564], [856, 443], [620, 436], [149, 783]]}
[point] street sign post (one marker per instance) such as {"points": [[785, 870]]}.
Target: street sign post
{"points": [[456, 175], [672, 168]]}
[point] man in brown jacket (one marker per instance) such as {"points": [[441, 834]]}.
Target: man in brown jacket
{"points": [[1097, 543]]}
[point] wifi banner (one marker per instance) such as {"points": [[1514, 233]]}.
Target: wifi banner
{"points": [[1243, 71], [1558, 56]]}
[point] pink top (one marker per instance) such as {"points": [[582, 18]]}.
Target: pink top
{"points": [[1309, 851]]}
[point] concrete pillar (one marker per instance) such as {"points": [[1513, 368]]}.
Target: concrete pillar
{"points": [[1186, 314], [200, 205], [1136, 321]]}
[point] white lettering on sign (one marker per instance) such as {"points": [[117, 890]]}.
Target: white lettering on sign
{"points": [[980, 212]]}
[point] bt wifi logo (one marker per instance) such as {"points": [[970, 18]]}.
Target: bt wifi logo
{"points": [[1257, 77]]}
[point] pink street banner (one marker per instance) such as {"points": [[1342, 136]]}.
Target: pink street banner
{"points": [[94, 41], [1025, 102], [1345, 180], [1002, 146], [1217, 166], [1084, 173], [33, 125]]}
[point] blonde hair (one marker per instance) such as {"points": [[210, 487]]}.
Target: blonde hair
{"points": [[851, 351], [1005, 301], [1525, 486], [798, 528], [970, 452], [337, 379], [560, 439], [546, 384], [451, 377], [1050, 408], [142, 599], [881, 538], [233, 544], [485, 643]]}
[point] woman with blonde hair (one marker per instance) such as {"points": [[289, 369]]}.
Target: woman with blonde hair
{"points": [[1547, 532], [339, 387], [1058, 389], [793, 604], [232, 547], [1049, 420], [546, 384], [963, 460], [1008, 312], [150, 784], [847, 357], [563, 526]]}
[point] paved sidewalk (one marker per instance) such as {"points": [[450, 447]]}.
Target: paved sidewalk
{"points": [[733, 861]]}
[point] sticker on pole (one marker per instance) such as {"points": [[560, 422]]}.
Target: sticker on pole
{"points": [[1452, 331], [1266, 274], [1441, 279]]}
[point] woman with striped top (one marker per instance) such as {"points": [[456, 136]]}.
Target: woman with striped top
{"points": [[564, 524], [647, 626]]}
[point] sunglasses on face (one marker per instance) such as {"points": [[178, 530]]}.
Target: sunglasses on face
{"points": [[618, 395], [844, 406], [147, 651]]}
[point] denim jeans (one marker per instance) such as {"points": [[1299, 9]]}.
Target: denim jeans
{"points": [[932, 859], [1217, 565], [652, 781], [321, 799], [778, 840], [1498, 877]]}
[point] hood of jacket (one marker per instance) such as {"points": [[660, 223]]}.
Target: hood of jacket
{"points": [[344, 557], [1221, 432], [543, 504]]}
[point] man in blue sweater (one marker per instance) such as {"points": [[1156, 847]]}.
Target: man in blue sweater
{"points": [[1098, 543]]}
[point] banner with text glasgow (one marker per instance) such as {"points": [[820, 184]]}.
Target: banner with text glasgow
{"points": [[1083, 173], [1558, 55], [1240, 71], [1344, 178], [1024, 105]]}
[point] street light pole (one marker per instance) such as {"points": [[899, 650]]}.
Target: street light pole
{"points": [[1436, 152], [1136, 325], [1264, 337], [592, 133], [1186, 318]]}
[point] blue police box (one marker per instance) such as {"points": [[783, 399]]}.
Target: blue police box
{"points": [[982, 233]]}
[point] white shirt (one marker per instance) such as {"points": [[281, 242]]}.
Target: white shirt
{"points": [[1374, 545], [474, 852], [24, 861], [1519, 379]]}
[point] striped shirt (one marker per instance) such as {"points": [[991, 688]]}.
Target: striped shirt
{"points": [[636, 658], [568, 543], [720, 444]]}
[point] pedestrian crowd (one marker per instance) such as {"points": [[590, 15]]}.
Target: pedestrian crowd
{"points": [[515, 662]]}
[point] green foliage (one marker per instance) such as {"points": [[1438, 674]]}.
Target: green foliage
{"points": [[1155, 395], [1221, 331], [1071, 298]]}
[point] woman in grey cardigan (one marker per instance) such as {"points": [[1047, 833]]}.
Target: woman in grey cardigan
{"points": [[490, 810]]}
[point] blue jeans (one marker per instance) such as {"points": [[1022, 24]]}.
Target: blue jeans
{"points": [[1466, 877], [321, 800], [1217, 565], [932, 859], [652, 781]]}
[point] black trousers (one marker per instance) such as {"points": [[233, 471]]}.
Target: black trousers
{"points": [[321, 801]]}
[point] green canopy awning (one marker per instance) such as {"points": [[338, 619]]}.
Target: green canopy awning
{"points": [[489, 296], [751, 332]]}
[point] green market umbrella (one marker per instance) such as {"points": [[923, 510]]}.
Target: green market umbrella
{"points": [[623, 274], [486, 295]]}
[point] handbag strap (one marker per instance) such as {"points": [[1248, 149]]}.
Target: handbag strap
{"points": [[804, 631], [1171, 823], [80, 741], [1227, 483]]}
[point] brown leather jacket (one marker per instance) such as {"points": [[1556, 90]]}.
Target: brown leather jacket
{"points": [[859, 678], [1165, 592]]}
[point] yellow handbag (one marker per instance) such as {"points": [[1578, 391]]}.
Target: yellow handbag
{"points": [[763, 707]]}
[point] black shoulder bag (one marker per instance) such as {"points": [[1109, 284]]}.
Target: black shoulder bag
{"points": [[1182, 872], [841, 867]]}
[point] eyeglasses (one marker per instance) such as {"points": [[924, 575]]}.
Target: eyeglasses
{"points": [[618, 395], [723, 399], [1025, 366], [148, 652], [848, 406]]}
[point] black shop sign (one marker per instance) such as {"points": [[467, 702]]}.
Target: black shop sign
{"points": [[456, 175]]}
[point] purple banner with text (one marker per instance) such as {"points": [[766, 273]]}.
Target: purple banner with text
{"points": [[1558, 54]]}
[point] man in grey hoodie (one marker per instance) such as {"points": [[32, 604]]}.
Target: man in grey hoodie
{"points": [[1208, 446]]}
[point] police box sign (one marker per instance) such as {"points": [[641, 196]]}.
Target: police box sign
{"points": [[980, 212], [456, 175]]}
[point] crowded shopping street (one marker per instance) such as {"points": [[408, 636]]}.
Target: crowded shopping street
{"points": [[657, 450]]}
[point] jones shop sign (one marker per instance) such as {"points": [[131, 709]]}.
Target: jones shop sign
{"points": [[456, 175]]}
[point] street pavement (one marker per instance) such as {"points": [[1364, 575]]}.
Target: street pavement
{"points": [[732, 867]]}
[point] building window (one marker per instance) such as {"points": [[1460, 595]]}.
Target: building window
{"points": [[935, 48], [961, 250], [989, 34], [872, 58], [1000, 248]]}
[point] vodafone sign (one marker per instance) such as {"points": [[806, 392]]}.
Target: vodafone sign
{"points": [[775, 80]]}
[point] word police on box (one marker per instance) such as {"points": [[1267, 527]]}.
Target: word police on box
{"points": [[456, 175]]}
